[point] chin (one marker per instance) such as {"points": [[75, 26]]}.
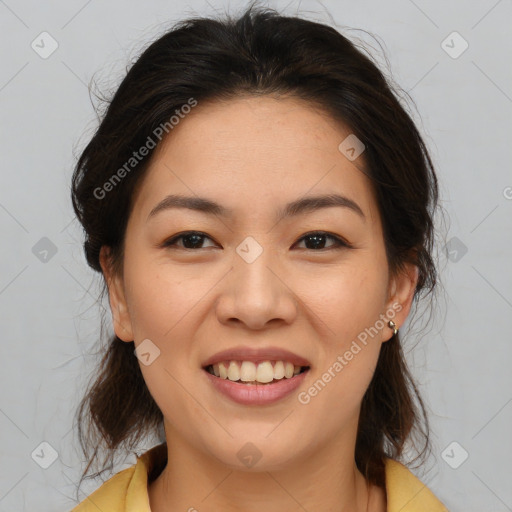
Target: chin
{"points": [[256, 454]]}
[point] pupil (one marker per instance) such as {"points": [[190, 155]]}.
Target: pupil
{"points": [[197, 240], [316, 239]]}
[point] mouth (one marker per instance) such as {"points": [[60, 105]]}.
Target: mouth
{"points": [[255, 384], [251, 374]]}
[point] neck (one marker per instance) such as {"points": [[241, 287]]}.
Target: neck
{"points": [[194, 481]]}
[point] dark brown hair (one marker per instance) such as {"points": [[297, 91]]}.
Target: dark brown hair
{"points": [[259, 52]]}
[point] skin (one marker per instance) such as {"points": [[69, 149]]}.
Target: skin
{"points": [[255, 154]]}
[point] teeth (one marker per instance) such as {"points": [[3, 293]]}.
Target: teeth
{"points": [[223, 372], [247, 371], [233, 371], [264, 372], [279, 370]]}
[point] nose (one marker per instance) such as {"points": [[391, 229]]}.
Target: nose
{"points": [[256, 294]]}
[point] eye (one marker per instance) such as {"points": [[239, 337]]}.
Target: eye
{"points": [[191, 240], [316, 239]]}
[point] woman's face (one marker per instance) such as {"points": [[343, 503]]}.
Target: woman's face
{"points": [[253, 279]]}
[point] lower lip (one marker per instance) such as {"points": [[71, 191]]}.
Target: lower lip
{"points": [[257, 394]]}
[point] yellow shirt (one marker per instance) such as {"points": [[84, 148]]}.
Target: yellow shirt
{"points": [[127, 491]]}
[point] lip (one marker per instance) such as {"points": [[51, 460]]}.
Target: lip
{"points": [[256, 355], [256, 394]]}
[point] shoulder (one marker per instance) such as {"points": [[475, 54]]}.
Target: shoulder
{"points": [[127, 491], [407, 493], [111, 495]]}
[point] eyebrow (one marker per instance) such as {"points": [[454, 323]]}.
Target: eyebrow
{"points": [[297, 207]]}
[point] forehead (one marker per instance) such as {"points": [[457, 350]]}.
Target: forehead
{"points": [[262, 151]]}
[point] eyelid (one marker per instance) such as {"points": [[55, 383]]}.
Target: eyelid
{"points": [[340, 242], [169, 242]]}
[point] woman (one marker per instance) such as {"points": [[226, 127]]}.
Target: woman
{"points": [[261, 208]]}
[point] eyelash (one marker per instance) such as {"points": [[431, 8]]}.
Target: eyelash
{"points": [[339, 242]]}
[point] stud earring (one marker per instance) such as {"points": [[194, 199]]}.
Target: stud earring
{"points": [[393, 326]]}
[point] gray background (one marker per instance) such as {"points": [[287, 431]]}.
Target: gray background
{"points": [[49, 314]]}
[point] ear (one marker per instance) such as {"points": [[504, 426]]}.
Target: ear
{"points": [[400, 296], [117, 299]]}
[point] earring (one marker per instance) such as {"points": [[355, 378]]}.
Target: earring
{"points": [[392, 325]]}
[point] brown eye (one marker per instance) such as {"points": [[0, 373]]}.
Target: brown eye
{"points": [[190, 240], [316, 241]]}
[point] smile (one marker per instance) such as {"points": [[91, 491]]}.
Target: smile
{"points": [[247, 383]]}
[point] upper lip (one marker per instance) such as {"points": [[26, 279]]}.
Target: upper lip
{"points": [[256, 355]]}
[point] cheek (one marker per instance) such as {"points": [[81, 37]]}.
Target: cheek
{"points": [[163, 305], [349, 331], [345, 301], [349, 353], [159, 296]]}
